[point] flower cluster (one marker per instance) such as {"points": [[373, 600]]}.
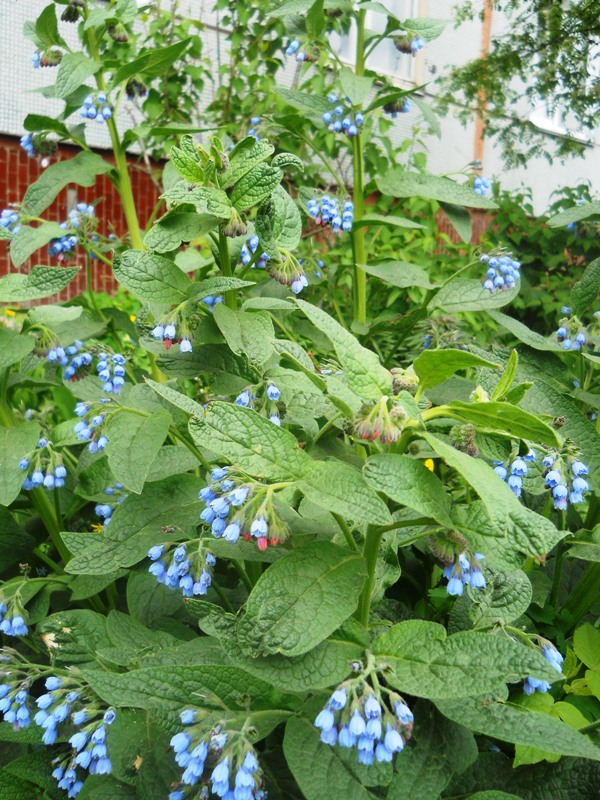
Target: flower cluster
{"points": [[89, 750], [176, 568], [210, 301], [104, 510], [255, 122], [13, 700], [518, 470], [326, 211], [111, 372], [9, 220], [350, 124], [235, 772], [12, 616], [554, 658], [28, 144], [562, 493], [267, 397], [95, 106], [43, 467], [65, 246], [464, 570], [502, 272], [49, 58], [571, 335], [302, 54], [248, 251], [395, 107], [481, 186], [234, 508], [90, 425], [408, 44], [166, 332], [357, 716], [73, 358], [382, 421]]}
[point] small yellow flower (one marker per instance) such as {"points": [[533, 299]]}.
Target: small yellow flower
{"points": [[429, 464], [132, 317], [9, 312], [97, 527]]}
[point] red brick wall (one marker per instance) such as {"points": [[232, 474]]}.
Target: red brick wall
{"points": [[18, 171]]}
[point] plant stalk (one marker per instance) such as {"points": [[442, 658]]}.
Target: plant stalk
{"points": [[358, 232]]}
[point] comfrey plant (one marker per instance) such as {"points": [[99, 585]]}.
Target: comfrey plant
{"points": [[270, 529]]}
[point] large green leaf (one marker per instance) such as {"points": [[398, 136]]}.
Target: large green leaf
{"points": [[205, 200], [13, 347], [278, 221], [152, 63], [133, 444], [244, 156], [514, 723], [253, 187], [15, 442], [523, 333], [31, 239], [426, 663], [176, 227], [498, 416], [74, 70], [40, 282], [436, 366], [573, 215], [402, 183], [301, 599], [468, 294], [399, 273], [82, 169], [248, 333], [151, 277], [530, 533], [362, 369], [407, 481], [137, 524], [585, 292], [302, 101]]}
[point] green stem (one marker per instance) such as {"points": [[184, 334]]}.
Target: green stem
{"points": [[558, 566], [358, 232], [230, 297], [44, 508], [371, 554], [346, 531], [90, 287], [584, 594], [39, 553], [6, 416]]}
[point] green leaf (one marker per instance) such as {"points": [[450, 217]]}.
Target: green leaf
{"points": [[217, 285], [151, 63], [527, 531], [362, 369], [151, 277], [254, 186], [15, 543], [425, 27], [493, 795], [176, 227], [586, 643], [244, 157], [440, 749], [73, 72], [585, 291], [513, 723], [317, 767], [13, 788], [38, 122], [507, 378], [302, 101], [249, 441], [436, 366], [46, 28], [408, 482], [247, 332], [505, 598], [426, 663], [523, 333], [573, 215], [187, 167], [76, 635], [40, 282], [461, 220], [315, 20], [205, 200], [400, 273], [82, 169], [133, 444], [341, 489], [399, 182], [301, 599], [13, 346], [176, 398], [148, 600], [106, 787], [505, 417], [370, 220], [286, 161], [355, 87], [15, 442], [136, 525], [466, 294], [31, 239], [278, 220], [433, 120]]}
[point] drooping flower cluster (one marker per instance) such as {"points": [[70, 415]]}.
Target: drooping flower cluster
{"points": [[9, 220], [28, 144], [555, 480], [357, 716], [210, 301], [43, 467], [571, 334], [111, 371], [90, 427], [408, 43], [14, 696], [222, 758], [95, 106], [73, 358], [166, 332], [326, 211], [481, 186], [13, 617], [104, 510], [302, 54], [465, 570], [382, 421], [65, 246], [255, 122], [249, 249], [49, 58], [39, 144], [339, 118], [178, 567], [395, 107], [516, 472], [264, 399], [235, 508], [554, 658], [502, 272]]}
